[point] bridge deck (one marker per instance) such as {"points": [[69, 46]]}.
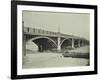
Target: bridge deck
{"points": [[34, 31]]}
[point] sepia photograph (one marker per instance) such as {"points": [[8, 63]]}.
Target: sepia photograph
{"points": [[55, 39]]}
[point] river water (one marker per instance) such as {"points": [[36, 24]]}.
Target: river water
{"points": [[49, 59]]}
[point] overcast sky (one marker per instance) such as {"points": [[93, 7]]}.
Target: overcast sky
{"points": [[69, 23]]}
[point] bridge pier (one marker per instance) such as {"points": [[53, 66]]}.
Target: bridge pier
{"points": [[58, 43], [40, 48], [59, 46], [79, 43], [73, 43]]}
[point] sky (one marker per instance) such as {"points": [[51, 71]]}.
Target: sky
{"points": [[77, 24]]}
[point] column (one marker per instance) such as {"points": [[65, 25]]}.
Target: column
{"points": [[79, 43], [59, 46], [73, 43], [58, 42]]}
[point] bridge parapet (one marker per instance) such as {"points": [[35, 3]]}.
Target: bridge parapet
{"points": [[35, 31]]}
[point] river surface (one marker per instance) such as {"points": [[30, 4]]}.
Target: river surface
{"points": [[49, 59]]}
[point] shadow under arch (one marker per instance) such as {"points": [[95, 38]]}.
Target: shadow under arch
{"points": [[66, 44], [44, 43]]}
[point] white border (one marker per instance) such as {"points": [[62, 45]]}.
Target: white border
{"points": [[21, 71]]}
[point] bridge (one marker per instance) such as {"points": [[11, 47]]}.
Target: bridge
{"points": [[52, 41]]}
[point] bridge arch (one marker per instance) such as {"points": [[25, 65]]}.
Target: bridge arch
{"points": [[44, 43], [64, 40], [66, 44], [45, 38]]}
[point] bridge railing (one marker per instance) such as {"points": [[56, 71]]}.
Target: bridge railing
{"points": [[38, 31]]}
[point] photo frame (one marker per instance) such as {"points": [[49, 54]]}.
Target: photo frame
{"points": [[78, 28]]}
